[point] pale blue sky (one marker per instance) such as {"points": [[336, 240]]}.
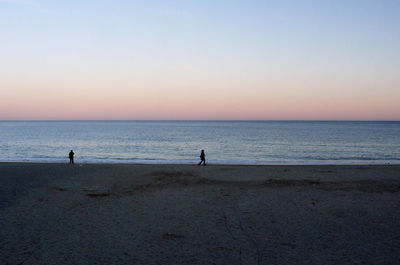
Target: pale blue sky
{"points": [[301, 51]]}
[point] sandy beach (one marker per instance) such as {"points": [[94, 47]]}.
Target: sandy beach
{"points": [[189, 214]]}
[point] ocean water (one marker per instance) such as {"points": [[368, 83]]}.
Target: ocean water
{"points": [[224, 142]]}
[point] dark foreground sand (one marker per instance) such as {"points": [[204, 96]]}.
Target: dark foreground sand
{"points": [[186, 214]]}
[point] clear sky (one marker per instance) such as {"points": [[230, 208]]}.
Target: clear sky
{"points": [[267, 60]]}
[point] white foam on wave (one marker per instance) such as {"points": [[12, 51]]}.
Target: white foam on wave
{"points": [[194, 161]]}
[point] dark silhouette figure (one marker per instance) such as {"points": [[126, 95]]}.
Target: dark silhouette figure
{"points": [[202, 158], [71, 157]]}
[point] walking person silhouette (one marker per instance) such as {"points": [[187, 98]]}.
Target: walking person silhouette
{"points": [[71, 157], [202, 158]]}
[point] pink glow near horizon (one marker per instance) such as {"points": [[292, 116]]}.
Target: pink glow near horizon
{"points": [[171, 103]]}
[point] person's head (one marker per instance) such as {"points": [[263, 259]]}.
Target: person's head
{"points": [[202, 151]]}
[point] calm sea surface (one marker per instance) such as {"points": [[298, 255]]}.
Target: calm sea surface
{"points": [[244, 142]]}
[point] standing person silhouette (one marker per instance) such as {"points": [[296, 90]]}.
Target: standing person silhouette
{"points": [[71, 157], [202, 158]]}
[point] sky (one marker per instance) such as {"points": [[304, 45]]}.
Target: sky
{"points": [[200, 60]]}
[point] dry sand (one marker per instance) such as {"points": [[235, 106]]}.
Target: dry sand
{"points": [[188, 214]]}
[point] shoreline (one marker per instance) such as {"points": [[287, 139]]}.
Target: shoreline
{"points": [[397, 163]]}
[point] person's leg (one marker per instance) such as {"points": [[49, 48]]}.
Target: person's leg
{"points": [[204, 162]]}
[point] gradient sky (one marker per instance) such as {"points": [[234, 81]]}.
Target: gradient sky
{"points": [[268, 60]]}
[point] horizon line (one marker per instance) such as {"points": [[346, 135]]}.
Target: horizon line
{"points": [[239, 120]]}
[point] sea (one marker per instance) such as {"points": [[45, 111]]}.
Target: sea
{"points": [[224, 142]]}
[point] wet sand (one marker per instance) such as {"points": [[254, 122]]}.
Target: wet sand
{"points": [[189, 214]]}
